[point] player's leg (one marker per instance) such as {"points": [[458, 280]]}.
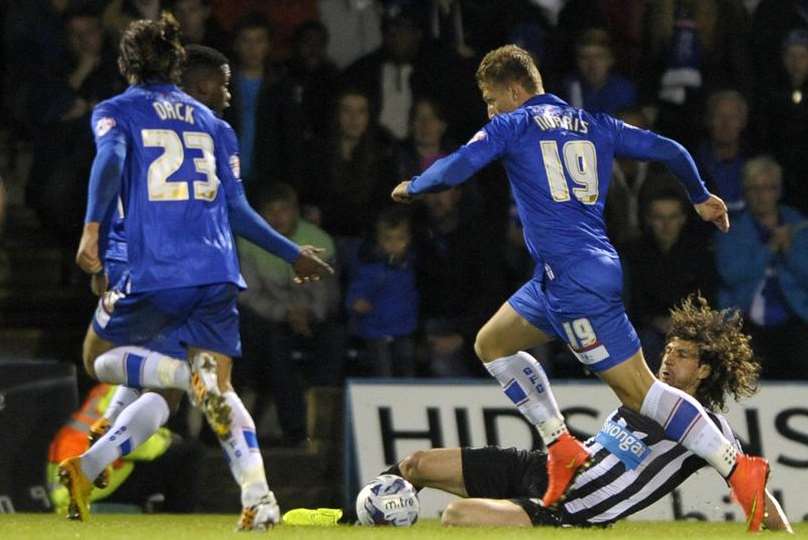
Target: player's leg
{"points": [[521, 323], [485, 512], [685, 421], [133, 426], [122, 319], [439, 468], [212, 335]]}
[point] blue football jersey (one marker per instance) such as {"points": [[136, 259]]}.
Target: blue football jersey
{"points": [[559, 163], [174, 214]]}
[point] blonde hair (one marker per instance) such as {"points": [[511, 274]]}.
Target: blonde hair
{"points": [[762, 165], [509, 64]]}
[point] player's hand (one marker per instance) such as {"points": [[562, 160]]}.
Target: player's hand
{"points": [[309, 266], [400, 193], [715, 211], [99, 283], [87, 255]]}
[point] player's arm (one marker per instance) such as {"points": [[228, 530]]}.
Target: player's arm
{"points": [[104, 186], [246, 223], [488, 144], [775, 519], [646, 145]]}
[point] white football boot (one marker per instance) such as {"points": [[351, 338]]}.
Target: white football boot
{"points": [[261, 516]]}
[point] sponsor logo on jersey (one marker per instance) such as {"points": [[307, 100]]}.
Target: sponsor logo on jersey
{"points": [[103, 126], [623, 444]]}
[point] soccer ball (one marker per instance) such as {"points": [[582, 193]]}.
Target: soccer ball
{"points": [[387, 500]]}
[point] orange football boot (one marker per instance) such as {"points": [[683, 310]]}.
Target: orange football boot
{"points": [[565, 457], [748, 483]]}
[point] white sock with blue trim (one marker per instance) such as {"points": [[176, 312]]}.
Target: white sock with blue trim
{"points": [[686, 422], [243, 454], [137, 367], [526, 384], [120, 400], [133, 427]]}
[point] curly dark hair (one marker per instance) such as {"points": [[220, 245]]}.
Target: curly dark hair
{"points": [[723, 346], [151, 51]]}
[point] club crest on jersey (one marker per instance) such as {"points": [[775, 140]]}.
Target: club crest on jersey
{"points": [[235, 166], [623, 444], [103, 126], [479, 136]]}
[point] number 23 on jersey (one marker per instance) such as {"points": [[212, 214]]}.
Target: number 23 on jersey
{"points": [[172, 158]]}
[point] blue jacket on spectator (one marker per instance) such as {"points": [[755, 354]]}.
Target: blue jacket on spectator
{"points": [[742, 258], [390, 288]]}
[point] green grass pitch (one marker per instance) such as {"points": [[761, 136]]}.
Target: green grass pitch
{"points": [[205, 526]]}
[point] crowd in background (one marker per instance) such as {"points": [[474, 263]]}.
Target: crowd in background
{"points": [[336, 101]]}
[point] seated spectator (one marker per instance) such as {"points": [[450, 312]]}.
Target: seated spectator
{"points": [[460, 272], [351, 173], [628, 185], [119, 13], [594, 86], [663, 267], [198, 26], [382, 297], [763, 264], [692, 47], [314, 76], [61, 101], [720, 157], [265, 113], [288, 329], [782, 119], [404, 66], [425, 144]]}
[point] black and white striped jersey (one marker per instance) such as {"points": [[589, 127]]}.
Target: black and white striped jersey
{"points": [[633, 466]]}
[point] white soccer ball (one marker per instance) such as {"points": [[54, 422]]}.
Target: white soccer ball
{"points": [[387, 500]]}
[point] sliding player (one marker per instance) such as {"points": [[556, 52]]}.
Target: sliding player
{"points": [[707, 356], [558, 159]]}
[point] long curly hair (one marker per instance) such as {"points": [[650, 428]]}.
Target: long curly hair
{"points": [[151, 51], [734, 369]]}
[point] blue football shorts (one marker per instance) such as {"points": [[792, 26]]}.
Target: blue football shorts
{"points": [[170, 320], [582, 305]]}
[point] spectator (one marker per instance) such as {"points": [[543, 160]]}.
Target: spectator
{"points": [[61, 101], [460, 278], [402, 68], [783, 119], [763, 264], [425, 143], [5, 269], [265, 113], [352, 173], [382, 297], [773, 20], [693, 47], [595, 87], [720, 156], [314, 76], [631, 182], [290, 330], [663, 267], [623, 19], [198, 26], [119, 13]]}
